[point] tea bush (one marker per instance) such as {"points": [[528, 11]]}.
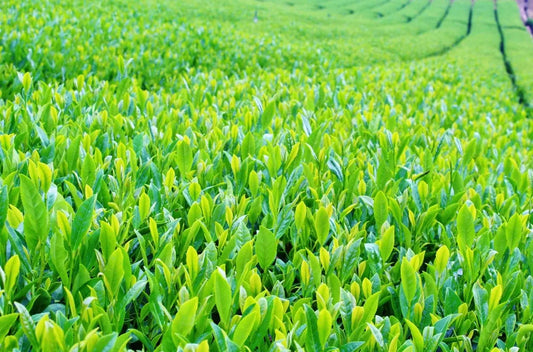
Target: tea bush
{"points": [[265, 176]]}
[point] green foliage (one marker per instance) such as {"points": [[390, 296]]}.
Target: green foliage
{"points": [[35, 217], [333, 176], [265, 247]]}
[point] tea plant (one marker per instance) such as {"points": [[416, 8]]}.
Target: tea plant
{"points": [[182, 177]]}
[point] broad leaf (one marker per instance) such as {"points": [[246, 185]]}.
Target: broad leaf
{"points": [[35, 214]]}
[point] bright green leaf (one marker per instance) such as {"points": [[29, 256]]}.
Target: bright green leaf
{"points": [[35, 214], [265, 247]]}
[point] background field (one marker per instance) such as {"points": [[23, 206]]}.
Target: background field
{"points": [[272, 175]]}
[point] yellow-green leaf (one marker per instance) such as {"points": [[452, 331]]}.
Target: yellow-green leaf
{"points": [[322, 225], [144, 206], [222, 297], [244, 328], [299, 215], [418, 339], [324, 326], [183, 322], [465, 227], [6, 321], [114, 272], [184, 157], [513, 231], [380, 210], [441, 258], [11, 269], [265, 247], [82, 221], [35, 214], [387, 243], [408, 277]]}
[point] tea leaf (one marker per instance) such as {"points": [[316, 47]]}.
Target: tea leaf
{"points": [[514, 231], [324, 326], [183, 322], [265, 247], [312, 334], [82, 221], [4, 205], [114, 272], [417, 336], [465, 227], [12, 270], [184, 157], [243, 329], [223, 297], [322, 225], [387, 243], [408, 276], [35, 214], [442, 257], [380, 209], [6, 322]]}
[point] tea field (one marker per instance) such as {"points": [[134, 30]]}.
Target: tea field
{"points": [[274, 175]]}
